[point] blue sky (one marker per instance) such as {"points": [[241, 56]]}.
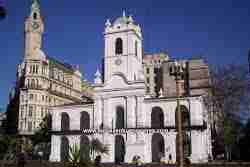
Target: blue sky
{"points": [[217, 30]]}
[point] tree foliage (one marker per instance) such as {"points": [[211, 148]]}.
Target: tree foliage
{"points": [[43, 134], [8, 147], [42, 138], [228, 100]]}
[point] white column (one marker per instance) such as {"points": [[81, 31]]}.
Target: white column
{"points": [[98, 113], [55, 148], [131, 112], [56, 120], [107, 114], [172, 144], [148, 156], [142, 112], [196, 140], [74, 120]]}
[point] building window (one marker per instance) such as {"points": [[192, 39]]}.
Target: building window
{"points": [[35, 16], [21, 125], [33, 83], [147, 70], [29, 126], [30, 111], [157, 118], [21, 111], [148, 80], [65, 124], [155, 70], [84, 120], [118, 46], [36, 69], [120, 118], [170, 70], [41, 111], [31, 96], [186, 144], [148, 89], [33, 69]]}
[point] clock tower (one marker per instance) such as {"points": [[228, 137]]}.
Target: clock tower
{"points": [[123, 49], [33, 31]]}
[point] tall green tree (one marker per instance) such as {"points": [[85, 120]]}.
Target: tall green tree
{"points": [[228, 99], [43, 134], [42, 137], [8, 147]]}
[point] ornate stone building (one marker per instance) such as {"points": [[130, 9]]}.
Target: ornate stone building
{"points": [[123, 115], [42, 81]]}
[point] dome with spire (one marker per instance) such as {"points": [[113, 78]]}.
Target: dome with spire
{"points": [[123, 20]]}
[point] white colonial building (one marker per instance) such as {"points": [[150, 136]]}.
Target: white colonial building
{"points": [[122, 116]]}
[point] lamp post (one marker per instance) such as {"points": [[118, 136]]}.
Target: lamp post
{"points": [[178, 72]]}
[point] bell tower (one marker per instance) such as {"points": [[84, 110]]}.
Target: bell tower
{"points": [[34, 28], [123, 49]]}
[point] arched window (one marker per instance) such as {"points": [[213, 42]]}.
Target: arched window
{"points": [[118, 46], [64, 149], [49, 121], [65, 122], [84, 149], [185, 117], [120, 121], [120, 149], [136, 48], [186, 144], [157, 118], [85, 121], [158, 147], [35, 16]]}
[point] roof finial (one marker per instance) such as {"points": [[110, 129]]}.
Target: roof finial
{"points": [[123, 13], [98, 77], [35, 5], [108, 23]]}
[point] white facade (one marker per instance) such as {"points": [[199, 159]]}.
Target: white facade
{"points": [[121, 111]]}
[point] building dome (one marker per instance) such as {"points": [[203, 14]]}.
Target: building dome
{"points": [[121, 20]]}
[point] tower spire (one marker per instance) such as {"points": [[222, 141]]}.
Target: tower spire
{"points": [[35, 6]]}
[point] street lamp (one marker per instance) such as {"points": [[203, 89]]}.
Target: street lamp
{"points": [[178, 70]]}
